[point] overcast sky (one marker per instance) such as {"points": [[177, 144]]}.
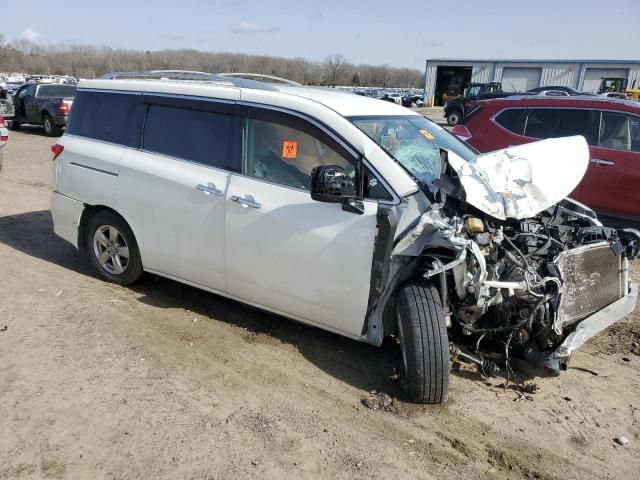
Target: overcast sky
{"points": [[400, 33]]}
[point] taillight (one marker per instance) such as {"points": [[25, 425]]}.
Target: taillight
{"points": [[462, 132], [57, 149], [3, 138], [63, 107]]}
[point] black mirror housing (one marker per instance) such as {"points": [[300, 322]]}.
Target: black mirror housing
{"points": [[330, 183]]}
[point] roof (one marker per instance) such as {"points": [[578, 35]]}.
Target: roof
{"points": [[533, 60], [572, 101], [344, 103]]}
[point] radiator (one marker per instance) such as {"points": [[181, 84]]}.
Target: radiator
{"points": [[592, 278]]}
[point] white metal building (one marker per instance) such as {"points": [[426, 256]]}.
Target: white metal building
{"points": [[522, 75]]}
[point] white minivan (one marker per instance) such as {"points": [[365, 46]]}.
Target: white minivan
{"points": [[353, 215]]}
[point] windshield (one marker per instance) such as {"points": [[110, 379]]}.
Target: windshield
{"points": [[415, 143], [56, 91]]}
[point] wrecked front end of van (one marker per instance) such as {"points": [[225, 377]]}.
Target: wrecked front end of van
{"points": [[522, 270]]}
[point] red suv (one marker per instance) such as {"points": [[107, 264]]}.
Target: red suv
{"points": [[611, 128]]}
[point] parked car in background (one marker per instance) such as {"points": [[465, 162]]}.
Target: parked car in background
{"points": [[616, 95], [611, 184], [6, 104], [412, 101], [456, 108], [44, 104], [392, 96], [4, 137]]}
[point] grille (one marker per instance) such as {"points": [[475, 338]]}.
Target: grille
{"points": [[592, 280]]}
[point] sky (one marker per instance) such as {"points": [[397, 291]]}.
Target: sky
{"points": [[397, 33]]}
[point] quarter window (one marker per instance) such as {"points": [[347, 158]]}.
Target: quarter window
{"points": [[102, 116], [198, 136], [512, 119], [619, 131], [561, 122]]}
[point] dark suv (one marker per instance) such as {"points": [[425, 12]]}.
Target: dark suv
{"points": [[611, 128]]}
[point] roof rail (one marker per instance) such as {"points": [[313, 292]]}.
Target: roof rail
{"points": [[187, 75], [258, 76]]}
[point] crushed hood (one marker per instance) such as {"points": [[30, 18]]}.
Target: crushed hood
{"points": [[521, 181]]}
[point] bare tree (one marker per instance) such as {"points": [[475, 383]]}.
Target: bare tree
{"points": [[335, 67]]}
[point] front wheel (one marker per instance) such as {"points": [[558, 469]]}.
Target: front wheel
{"points": [[112, 248], [50, 128], [453, 118], [424, 343]]}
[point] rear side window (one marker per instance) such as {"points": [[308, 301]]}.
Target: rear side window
{"points": [[56, 91], [561, 122], [512, 119], [102, 116], [198, 136]]}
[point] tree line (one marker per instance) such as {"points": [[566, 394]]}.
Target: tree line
{"points": [[86, 61]]}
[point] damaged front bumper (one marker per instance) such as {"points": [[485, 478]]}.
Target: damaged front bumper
{"points": [[597, 322]]}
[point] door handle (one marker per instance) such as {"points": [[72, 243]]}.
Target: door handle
{"points": [[209, 190], [245, 201], [599, 161]]}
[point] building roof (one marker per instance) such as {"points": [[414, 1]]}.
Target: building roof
{"points": [[534, 60]]}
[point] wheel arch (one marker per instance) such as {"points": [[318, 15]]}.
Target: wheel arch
{"points": [[88, 212]]}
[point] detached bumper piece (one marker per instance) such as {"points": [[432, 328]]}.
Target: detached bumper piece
{"points": [[597, 322]]}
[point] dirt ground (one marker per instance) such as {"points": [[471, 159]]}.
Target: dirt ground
{"points": [[162, 380]]}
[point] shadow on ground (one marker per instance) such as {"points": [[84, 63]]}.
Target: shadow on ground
{"points": [[360, 365]]}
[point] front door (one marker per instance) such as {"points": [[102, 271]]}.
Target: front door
{"points": [[172, 190], [284, 251], [612, 181]]}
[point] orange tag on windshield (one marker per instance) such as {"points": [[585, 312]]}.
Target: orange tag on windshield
{"points": [[426, 135], [289, 149]]}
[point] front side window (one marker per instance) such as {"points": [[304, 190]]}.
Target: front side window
{"points": [[561, 122], [415, 143], [286, 155], [198, 136], [619, 131]]}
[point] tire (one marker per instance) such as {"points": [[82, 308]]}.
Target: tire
{"points": [[13, 125], [424, 343], [454, 117], [107, 237], [50, 129]]}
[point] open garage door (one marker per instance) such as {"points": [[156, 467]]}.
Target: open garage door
{"points": [[520, 79], [593, 77]]}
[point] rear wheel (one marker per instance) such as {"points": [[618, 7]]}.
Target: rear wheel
{"points": [[50, 128], [424, 342], [454, 117], [13, 125], [112, 248]]}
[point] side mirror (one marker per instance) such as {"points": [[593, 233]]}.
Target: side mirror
{"points": [[330, 183]]}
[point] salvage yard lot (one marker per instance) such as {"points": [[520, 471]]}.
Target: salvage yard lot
{"points": [[164, 380]]}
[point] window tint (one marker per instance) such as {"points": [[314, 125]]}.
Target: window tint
{"points": [[102, 116], [619, 131], [561, 122], [198, 136], [283, 154], [56, 91], [512, 119]]}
